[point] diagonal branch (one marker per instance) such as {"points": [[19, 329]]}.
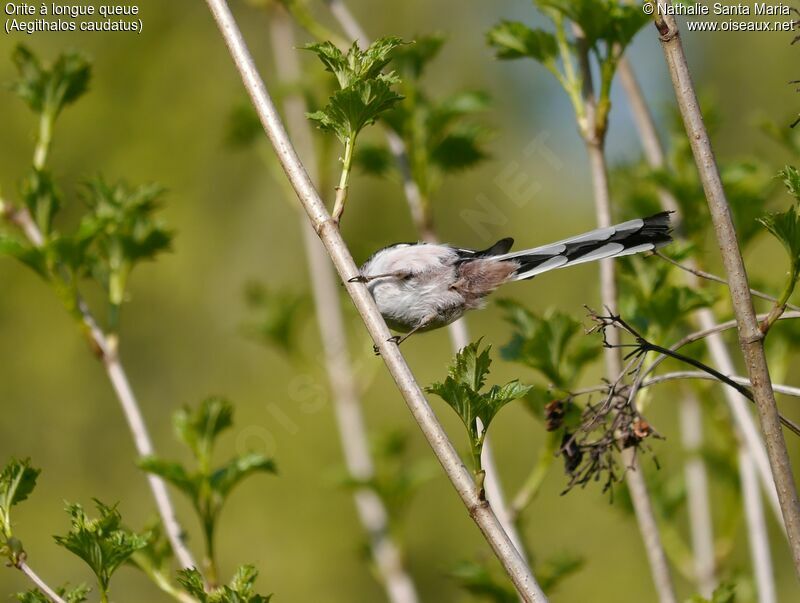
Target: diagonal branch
{"points": [[22, 566], [479, 510], [423, 222], [372, 512], [106, 348], [751, 339]]}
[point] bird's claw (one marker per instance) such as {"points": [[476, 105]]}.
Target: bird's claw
{"points": [[358, 279], [396, 339]]}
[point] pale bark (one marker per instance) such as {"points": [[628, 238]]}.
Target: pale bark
{"points": [[458, 474]]}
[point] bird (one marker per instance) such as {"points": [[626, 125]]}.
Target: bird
{"points": [[424, 286]]}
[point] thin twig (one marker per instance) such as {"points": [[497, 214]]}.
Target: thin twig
{"points": [[460, 477], [751, 339], [41, 584], [640, 496], [698, 503], [779, 388], [718, 279], [745, 430], [423, 222], [105, 347], [372, 512]]}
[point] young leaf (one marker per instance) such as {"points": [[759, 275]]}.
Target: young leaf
{"points": [[279, 317], [199, 428], [785, 226], [17, 481], [476, 579], [31, 256], [48, 90], [360, 104], [514, 40], [791, 179], [172, 472], [461, 391], [224, 479], [554, 570], [239, 590], [609, 21], [77, 594], [553, 344], [357, 65], [411, 60], [40, 196], [102, 543]]}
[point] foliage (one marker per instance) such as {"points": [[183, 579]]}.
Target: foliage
{"points": [[603, 29], [365, 92], [280, 315], [785, 227], [724, 593], [206, 487], [462, 392], [102, 543], [553, 344], [440, 136], [77, 594], [48, 89], [118, 229], [397, 477], [238, 590], [17, 481]]}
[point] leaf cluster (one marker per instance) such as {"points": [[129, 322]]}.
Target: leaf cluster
{"points": [[103, 543], [47, 89], [280, 315], [239, 590], [553, 344], [440, 136], [364, 91], [77, 594], [462, 392], [785, 227], [205, 486], [17, 481]]}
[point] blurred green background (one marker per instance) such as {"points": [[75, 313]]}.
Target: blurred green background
{"points": [[157, 111]]}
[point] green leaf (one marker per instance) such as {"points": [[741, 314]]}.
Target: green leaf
{"points": [[608, 21], [40, 196], [459, 150], [373, 159], [77, 594], [49, 89], [102, 543], [357, 65], [227, 477], [199, 428], [239, 590], [785, 226], [476, 579], [514, 40], [31, 256], [172, 472], [791, 179], [554, 570], [461, 390], [17, 481], [553, 344], [360, 104], [243, 127], [279, 317], [411, 59], [724, 593]]}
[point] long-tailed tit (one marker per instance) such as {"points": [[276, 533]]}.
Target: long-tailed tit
{"points": [[424, 286]]}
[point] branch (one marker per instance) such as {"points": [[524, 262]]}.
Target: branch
{"points": [[640, 497], [751, 339], [372, 512], [41, 584], [423, 222], [698, 503], [480, 512], [106, 348], [747, 432], [787, 390], [718, 279]]}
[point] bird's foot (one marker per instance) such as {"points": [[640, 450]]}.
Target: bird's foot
{"points": [[395, 339]]}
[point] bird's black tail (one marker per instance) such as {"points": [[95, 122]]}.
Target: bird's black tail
{"points": [[634, 236]]}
